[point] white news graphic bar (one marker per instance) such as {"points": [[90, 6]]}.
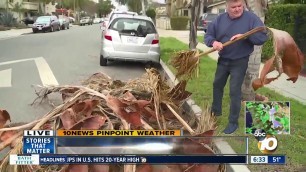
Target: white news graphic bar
{"points": [[24, 160], [115, 150], [38, 133], [259, 159]]}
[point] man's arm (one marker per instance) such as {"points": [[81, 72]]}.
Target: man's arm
{"points": [[258, 38], [210, 35]]}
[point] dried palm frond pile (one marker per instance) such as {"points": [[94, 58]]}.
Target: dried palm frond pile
{"points": [[101, 103], [186, 64]]}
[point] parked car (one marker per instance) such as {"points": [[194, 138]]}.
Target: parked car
{"points": [[115, 14], [64, 22], [97, 20], [205, 20], [29, 20], [46, 23], [130, 38], [71, 19], [85, 20]]}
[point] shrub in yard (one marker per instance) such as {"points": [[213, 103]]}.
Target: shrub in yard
{"points": [[151, 13], [290, 18], [3, 28], [179, 23], [7, 19]]}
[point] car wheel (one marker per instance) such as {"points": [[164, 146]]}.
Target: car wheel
{"points": [[34, 31], [103, 61], [51, 29], [58, 28], [68, 27]]}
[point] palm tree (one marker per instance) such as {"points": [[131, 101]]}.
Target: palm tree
{"points": [[248, 94], [195, 12]]}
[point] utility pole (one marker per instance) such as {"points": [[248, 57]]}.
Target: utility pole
{"points": [[74, 8], [143, 7], [6, 7]]}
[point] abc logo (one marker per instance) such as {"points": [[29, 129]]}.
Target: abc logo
{"points": [[267, 144]]}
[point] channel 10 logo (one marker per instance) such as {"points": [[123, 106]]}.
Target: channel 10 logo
{"points": [[267, 144]]}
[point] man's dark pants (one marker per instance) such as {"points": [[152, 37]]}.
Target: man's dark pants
{"points": [[236, 69]]}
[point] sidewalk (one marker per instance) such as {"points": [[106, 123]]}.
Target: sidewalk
{"points": [[281, 85], [18, 32], [14, 33]]}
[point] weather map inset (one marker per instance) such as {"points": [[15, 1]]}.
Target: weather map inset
{"points": [[271, 117]]}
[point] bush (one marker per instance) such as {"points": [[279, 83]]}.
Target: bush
{"points": [[151, 13], [287, 17], [7, 19], [179, 23]]}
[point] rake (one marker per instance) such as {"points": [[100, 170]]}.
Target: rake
{"points": [[187, 62]]}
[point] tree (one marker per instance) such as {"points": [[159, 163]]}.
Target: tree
{"points": [[133, 5], [42, 5], [195, 12], [90, 7], [105, 7], [248, 94], [168, 7]]}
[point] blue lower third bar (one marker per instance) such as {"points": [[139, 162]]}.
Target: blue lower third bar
{"points": [[70, 159], [277, 159]]}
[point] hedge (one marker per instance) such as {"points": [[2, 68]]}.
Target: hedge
{"points": [[179, 23], [290, 18]]}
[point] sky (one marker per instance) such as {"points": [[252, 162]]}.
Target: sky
{"points": [[124, 8], [119, 7]]}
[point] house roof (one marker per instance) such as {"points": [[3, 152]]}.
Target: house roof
{"points": [[215, 4]]}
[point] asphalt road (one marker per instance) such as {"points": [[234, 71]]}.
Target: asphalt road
{"points": [[62, 57]]}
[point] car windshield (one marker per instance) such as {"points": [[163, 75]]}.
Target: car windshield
{"points": [[211, 16], [43, 19], [120, 13], [129, 25], [84, 18]]}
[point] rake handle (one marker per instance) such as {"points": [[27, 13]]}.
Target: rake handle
{"points": [[245, 35]]}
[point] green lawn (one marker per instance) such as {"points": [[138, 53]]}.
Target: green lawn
{"points": [[294, 145], [200, 38]]}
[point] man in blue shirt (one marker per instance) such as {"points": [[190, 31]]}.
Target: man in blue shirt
{"points": [[233, 59]]}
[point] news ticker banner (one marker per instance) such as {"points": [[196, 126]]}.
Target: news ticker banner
{"points": [[128, 159], [109, 143], [124, 159]]}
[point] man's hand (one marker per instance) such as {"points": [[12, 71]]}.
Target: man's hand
{"points": [[236, 36], [217, 45]]}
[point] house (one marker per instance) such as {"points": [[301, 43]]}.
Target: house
{"points": [[20, 8], [217, 7], [26, 8]]}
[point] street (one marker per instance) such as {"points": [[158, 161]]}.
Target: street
{"points": [[57, 58]]}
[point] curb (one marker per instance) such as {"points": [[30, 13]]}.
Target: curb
{"points": [[222, 146]]}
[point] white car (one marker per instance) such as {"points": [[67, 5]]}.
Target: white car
{"points": [[97, 20], [85, 20], [130, 38], [115, 14]]}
